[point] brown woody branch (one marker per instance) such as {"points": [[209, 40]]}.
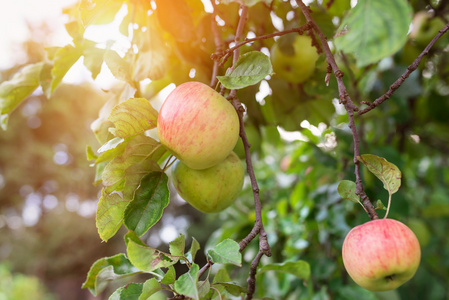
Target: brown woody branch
{"points": [[405, 75], [348, 104], [258, 229]]}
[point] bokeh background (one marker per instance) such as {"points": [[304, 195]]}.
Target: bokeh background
{"points": [[48, 238]]}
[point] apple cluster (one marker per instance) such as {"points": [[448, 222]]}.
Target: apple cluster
{"points": [[201, 128]]}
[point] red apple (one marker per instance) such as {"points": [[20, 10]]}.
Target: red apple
{"points": [[381, 255], [198, 125]]}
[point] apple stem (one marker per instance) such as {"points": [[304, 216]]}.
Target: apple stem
{"points": [[170, 161], [388, 206]]}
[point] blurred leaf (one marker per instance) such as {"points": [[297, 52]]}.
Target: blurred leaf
{"points": [[175, 17], [133, 116], [372, 32], [106, 269], [355, 293], [221, 276], [110, 214], [203, 288], [118, 66], [232, 288], [346, 189], [300, 269], [75, 30], [387, 172], [170, 276], [14, 91], [177, 246], [64, 59], [148, 259], [131, 291], [226, 252], [250, 69], [98, 11], [90, 153], [153, 59], [112, 148], [148, 203], [93, 59], [193, 250], [187, 283], [150, 287], [380, 205]]}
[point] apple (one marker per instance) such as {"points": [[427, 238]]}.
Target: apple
{"points": [[295, 61], [381, 255], [213, 189], [198, 125], [425, 27]]}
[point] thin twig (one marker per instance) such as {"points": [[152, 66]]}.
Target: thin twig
{"points": [[225, 55], [218, 45], [404, 76], [348, 104]]}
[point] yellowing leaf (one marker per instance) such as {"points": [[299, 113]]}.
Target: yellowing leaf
{"points": [[110, 214], [132, 117]]}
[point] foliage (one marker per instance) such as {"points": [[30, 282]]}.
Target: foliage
{"points": [[305, 164]]}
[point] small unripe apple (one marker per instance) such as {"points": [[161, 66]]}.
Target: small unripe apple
{"points": [[381, 255], [210, 190], [297, 64], [198, 125]]}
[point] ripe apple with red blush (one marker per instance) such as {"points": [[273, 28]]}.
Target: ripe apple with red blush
{"points": [[381, 255]]}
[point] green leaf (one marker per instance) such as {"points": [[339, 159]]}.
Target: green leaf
{"points": [[250, 69], [380, 205], [203, 288], [170, 276], [119, 67], [106, 269], [112, 148], [346, 189], [232, 288], [148, 259], [387, 172], [45, 79], [131, 291], [75, 30], [226, 252], [150, 287], [300, 269], [193, 250], [187, 283], [374, 29], [133, 116], [177, 246], [110, 212], [14, 91], [222, 276], [64, 59], [98, 11], [149, 201], [137, 149]]}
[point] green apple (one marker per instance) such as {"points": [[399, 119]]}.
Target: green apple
{"points": [[381, 255], [294, 60], [198, 125], [210, 190], [425, 27]]}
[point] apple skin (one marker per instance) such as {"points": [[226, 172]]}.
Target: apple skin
{"points": [[381, 255], [210, 190], [198, 125], [299, 65]]}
